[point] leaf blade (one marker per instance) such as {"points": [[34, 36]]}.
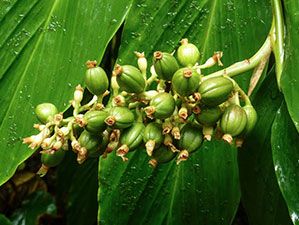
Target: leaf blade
{"points": [[261, 196], [53, 64], [289, 78], [284, 141]]}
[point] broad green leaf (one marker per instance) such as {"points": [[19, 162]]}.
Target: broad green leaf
{"points": [[77, 187], [261, 195], [33, 207], [290, 76], [4, 220], [203, 190], [285, 150], [49, 63], [212, 25]]}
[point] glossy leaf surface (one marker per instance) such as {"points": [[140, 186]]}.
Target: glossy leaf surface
{"points": [[176, 194], [285, 150], [290, 75], [261, 195], [44, 46]]}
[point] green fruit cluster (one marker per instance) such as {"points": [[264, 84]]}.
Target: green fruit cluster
{"points": [[167, 111]]}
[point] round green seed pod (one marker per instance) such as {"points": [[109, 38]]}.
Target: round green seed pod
{"points": [[52, 160], [120, 118], [152, 137], [90, 142], [45, 112], [215, 91], [129, 79], [233, 120], [161, 155], [96, 79], [165, 65], [95, 121], [191, 138], [130, 139], [208, 116], [187, 54], [161, 106], [133, 136], [251, 118], [185, 81]]}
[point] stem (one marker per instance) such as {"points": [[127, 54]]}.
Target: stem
{"points": [[243, 95], [247, 64], [278, 38]]}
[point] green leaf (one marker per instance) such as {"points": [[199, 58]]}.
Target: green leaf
{"points": [[285, 149], [290, 76], [202, 190], [33, 207], [261, 195], [173, 194], [77, 187], [4, 220], [60, 36]]}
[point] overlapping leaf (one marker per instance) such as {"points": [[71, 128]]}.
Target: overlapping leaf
{"points": [[261, 195], [285, 150], [203, 190], [290, 76], [44, 45]]}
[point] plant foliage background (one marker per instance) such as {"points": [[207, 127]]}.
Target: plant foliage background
{"points": [[43, 48]]}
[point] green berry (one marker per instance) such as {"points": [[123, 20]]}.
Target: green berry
{"points": [[191, 138], [90, 142], [152, 137], [129, 79], [96, 79], [251, 118], [233, 121], [187, 54], [165, 65], [161, 155], [133, 136], [45, 112], [185, 81], [52, 160], [95, 121], [208, 116], [215, 91], [161, 106], [120, 118]]}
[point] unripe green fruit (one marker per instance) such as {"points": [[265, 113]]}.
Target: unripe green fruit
{"points": [[153, 131], [185, 81], [233, 120], [251, 118], [90, 141], [45, 112], [191, 138], [132, 136], [96, 79], [209, 116], [161, 155], [215, 91], [161, 106], [95, 121], [165, 65], [52, 160], [152, 137], [129, 79], [120, 118], [187, 54]]}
